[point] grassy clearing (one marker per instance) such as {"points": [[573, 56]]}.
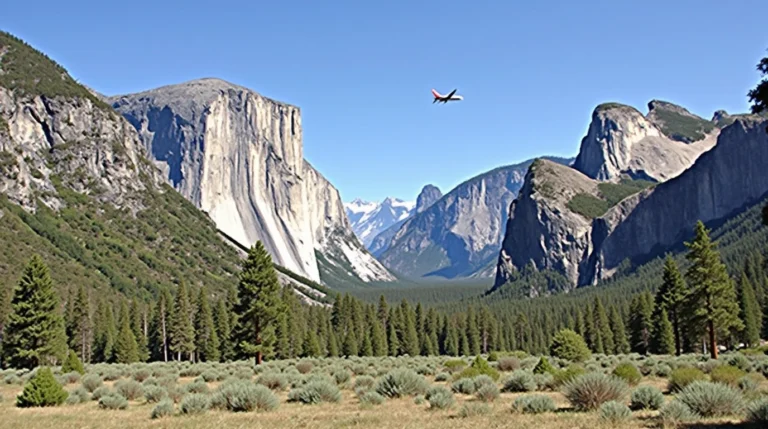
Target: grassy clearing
{"points": [[355, 378], [610, 194]]}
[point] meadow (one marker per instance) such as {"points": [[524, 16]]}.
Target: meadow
{"points": [[510, 390]]}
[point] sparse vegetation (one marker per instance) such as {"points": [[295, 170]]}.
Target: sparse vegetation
{"points": [[610, 194]]}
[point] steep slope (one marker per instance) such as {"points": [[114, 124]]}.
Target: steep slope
{"points": [[621, 141], [238, 156], [370, 219], [429, 195], [588, 230], [459, 234]]}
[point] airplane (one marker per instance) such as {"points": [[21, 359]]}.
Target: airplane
{"points": [[445, 98]]}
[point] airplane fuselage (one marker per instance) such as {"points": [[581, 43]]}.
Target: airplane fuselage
{"points": [[439, 98]]}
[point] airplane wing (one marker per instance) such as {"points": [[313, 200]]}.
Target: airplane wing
{"points": [[448, 97]]}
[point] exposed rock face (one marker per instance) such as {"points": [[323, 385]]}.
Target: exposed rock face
{"points": [[621, 141], [460, 234], [91, 149], [238, 156], [723, 180], [542, 230], [369, 219], [429, 195]]}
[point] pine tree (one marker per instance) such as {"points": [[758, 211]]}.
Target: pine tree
{"points": [[383, 311], [620, 341], [223, 330], [750, 313], [137, 324], [182, 330], [106, 335], [159, 333], [126, 349], [670, 297], [206, 337], [35, 334], [640, 323], [392, 340], [472, 332], [367, 349], [522, 331], [602, 325], [663, 338], [311, 345], [81, 327], [410, 340], [258, 305], [594, 342], [333, 344], [712, 298]]}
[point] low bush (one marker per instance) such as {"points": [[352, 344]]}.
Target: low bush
{"points": [[682, 377], [316, 392], [565, 375], [419, 399], [401, 382], [304, 366], [241, 395], [646, 398], [341, 376], [675, 413], [439, 398], [454, 365], [589, 391], [471, 409], [519, 381], [78, 396], [757, 412], [465, 386], [533, 404], [113, 401], [163, 409], [129, 389], [42, 390], [91, 382], [487, 393], [72, 364], [371, 398], [710, 399], [100, 392], [508, 364], [544, 381], [614, 412], [273, 380], [197, 386], [628, 372], [71, 377], [727, 374], [544, 367], [196, 403], [365, 382], [141, 374], [442, 376], [154, 394], [569, 345]]}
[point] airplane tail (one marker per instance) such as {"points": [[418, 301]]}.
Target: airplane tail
{"points": [[436, 94]]}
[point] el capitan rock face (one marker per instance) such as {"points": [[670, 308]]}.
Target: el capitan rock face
{"points": [[239, 157]]}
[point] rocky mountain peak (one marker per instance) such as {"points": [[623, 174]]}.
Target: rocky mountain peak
{"points": [[429, 195]]}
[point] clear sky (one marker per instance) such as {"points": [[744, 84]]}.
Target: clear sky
{"points": [[361, 71]]}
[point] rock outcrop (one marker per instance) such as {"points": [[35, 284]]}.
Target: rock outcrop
{"points": [[621, 141], [239, 157], [460, 234], [429, 195]]}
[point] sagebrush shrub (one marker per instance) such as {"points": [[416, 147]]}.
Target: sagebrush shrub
{"points": [[364, 381], [757, 412], [113, 401], [78, 396], [487, 393], [544, 381], [520, 381], [197, 386], [12, 379], [196, 403], [682, 377], [401, 382], [163, 409], [71, 377], [442, 376], [273, 380], [315, 392], [341, 376], [628, 372], [439, 397], [463, 385], [91, 382], [304, 366], [614, 412], [471, 409], [710, 399], [371, 398], [565, 375], [99, 392], [42, 390], [675, 413], [482, 380], [129, 389], [241, 395], [727, 374], [454, 365], [646, 398], [508, 364], [141, 374], [589, 391], [154, 394], [210, 376], [419, 399], [533, 404]]}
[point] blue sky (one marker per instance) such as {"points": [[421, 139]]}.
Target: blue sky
{"points": [[531, 72]]}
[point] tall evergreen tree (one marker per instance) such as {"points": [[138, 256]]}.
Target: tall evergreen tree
{"points": [[138, 320], [602, 326], [750, 313], [311, 344], [712, 298], [620, 341], [592, 336], [333, 344], [410, 338], [383, 311], [392, 340], [206, 337], [663, 338], [159, 338], [472, 332], [126, 349], [670, 297], [35, 334], [182, 338], [223, 330], [640, 323], [350, 344], [82, 328], [258, 305], [106, 332]]}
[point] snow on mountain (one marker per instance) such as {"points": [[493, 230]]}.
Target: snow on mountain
{"points": [[368, 219]]}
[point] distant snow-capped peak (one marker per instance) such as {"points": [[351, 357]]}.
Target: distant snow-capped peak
{"points": [[368, 219]]}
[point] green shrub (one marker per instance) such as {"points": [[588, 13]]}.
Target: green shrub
{"points": [[727, 374], [365, 382], [675, 413], [471, 409], [544, 367], [72, 363], [519, 381], [196, 403], [464, 385], [439, 398], [442, 376], [401, 382], [154, 394], [544, 381], [141, 374], [241, 395], [176, 393], [740, 361], [42, 390], [493, 357], [565, 375], [663, 371], [757, 412], [628, 372], [454, 365], [371, 398], [569, 345], [647, 398], [315, 392], [113, 401], [163, 409], [273, 380], [78, 396], [533, 404], [614, 412], [100, 392], [487, 393], [589, 391], [197, 386], [710, 399], [210, 376], [341, 376], [419, 399], [682, 377], [508, 364], [479, 367], [750, 382], [129, 389], [91, 382]]}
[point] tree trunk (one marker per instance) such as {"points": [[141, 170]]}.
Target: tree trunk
{"points": [[258, 358], [712, 340], [165, 339]]}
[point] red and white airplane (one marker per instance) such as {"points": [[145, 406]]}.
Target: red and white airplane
{"points": [[445, 98]]}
